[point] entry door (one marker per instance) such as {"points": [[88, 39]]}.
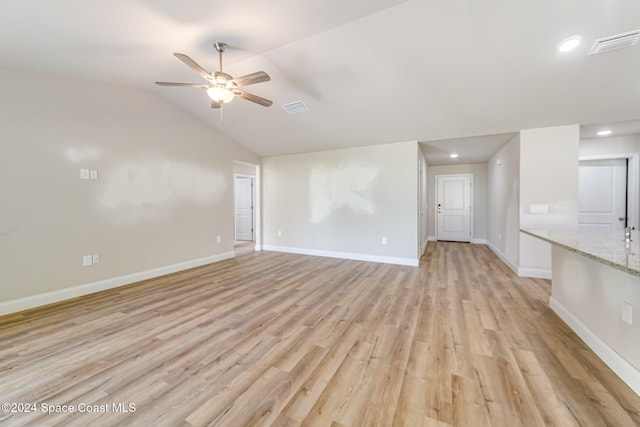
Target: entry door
{"points": [[453, 204], [602, 198], [244, 208]]}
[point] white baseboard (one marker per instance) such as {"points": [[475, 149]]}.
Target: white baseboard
{"points": [[503, 258], [424, 247], [536, 273], [345, 255], [33, 301], [627, 372], [475, 241]]}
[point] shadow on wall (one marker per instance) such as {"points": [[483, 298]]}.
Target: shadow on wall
{"points": [[332, 188]]}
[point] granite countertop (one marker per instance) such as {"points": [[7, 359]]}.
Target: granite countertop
{"points": [[599, 245]]}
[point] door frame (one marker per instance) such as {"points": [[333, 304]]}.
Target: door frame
{"points": [[253, 203], [423, 214], [437, 198], [257, 206], [633, 182]]}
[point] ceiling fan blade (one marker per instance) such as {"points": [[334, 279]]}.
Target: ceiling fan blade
{"points": [[250, 79], [215, 104], [253, 98], [194, 65], [182, 84]]}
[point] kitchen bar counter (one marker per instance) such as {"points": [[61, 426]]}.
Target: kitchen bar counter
{"points": [[595, 287], [599, 245]]}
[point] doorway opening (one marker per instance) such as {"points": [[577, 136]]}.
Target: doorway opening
{"points": [[246, 207], [608, 192], [454, 207]]}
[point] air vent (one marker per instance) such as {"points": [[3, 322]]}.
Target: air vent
{"points": [[618, 41], [295, 107]]}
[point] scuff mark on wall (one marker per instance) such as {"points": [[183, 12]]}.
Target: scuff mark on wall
{"points": [[136, 191], [81, 154], [347, 185]]}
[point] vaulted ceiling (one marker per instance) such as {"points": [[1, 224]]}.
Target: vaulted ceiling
{"points": [[370, 71]]}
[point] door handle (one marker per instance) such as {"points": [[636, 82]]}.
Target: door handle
{"points": [[622, 218]]}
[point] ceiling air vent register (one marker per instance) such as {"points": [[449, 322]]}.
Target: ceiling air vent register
{"points": [[618, 41], [295, 107]]}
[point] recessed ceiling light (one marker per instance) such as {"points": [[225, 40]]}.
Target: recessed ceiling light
{"points": [[569, 44], [604, 132], [453, 155]]}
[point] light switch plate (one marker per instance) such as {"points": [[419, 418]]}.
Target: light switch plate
{"points": [[84, 174], [93, 174], [87, 260], [627, 313]]}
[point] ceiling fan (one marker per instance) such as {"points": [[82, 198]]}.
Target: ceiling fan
{"points": [[221, 87]]}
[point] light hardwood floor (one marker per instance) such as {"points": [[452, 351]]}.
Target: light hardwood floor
{"points": [[281, 339]]}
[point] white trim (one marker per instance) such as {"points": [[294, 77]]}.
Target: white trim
{"points": [[627, 372], [471, 199], [503, 257], [345, 255], [424, 247], [254, 202], [633, 191], [474, 241], [257, 212], [25, 303], [537, 273]]}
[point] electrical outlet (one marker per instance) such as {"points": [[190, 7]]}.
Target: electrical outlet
{"points": [[86, 260], [384, 240], [93, 174], [96, 258], [627, 312], [219, 239]]}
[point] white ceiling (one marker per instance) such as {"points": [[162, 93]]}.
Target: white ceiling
{"points": [[371, 71], [625, 128], [473, 149]]}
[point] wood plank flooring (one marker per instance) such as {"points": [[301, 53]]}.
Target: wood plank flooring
{"points": [[291, 340]]}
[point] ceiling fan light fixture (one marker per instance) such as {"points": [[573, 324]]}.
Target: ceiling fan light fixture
{"points": [[220, 94]]}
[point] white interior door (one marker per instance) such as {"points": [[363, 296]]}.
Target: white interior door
{"points": [[453, 205], [602, 198], [244, 207]]}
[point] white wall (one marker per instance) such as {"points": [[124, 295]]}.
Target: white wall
{"points": [[620, 147], [548, 176], [423, 204], [503, 202], [244, 169], [163, 194], [588, 296], [479, 172], [610, 145], [342, 202]]}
